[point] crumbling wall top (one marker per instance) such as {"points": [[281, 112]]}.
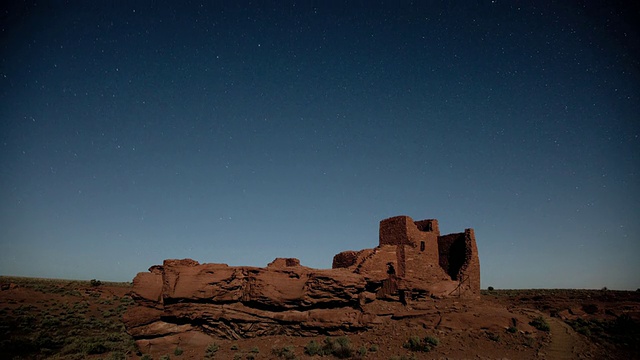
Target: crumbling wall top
{"points": [[402, 230]]}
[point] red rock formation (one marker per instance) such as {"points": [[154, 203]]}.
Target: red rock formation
{"points": [[412, 263]]}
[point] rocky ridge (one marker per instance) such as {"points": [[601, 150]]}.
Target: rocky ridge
{"points": [[196, 302]]}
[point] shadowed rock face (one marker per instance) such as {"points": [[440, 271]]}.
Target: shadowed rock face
{"points": [[411, 264]]}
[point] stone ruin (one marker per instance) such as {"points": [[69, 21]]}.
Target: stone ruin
{"points": [[412, 265]]}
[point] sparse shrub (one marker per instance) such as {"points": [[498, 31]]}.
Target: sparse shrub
{"points": [[416, 344], [50, 322], [255, 350], [286, 352], [362, 351], [340, 348], [373, 348], [95, 347], [116, 337], [490, 288], [165, 357], [313, 348], [431, 340], [604, 288], [412, 344], [493, 337], [95, 282], [146, 357], [237, 357], [512, 329], [343, 350], [211, 350], [234, 347], [127, 300], [343, 340], [178, 351], [44, 341], [540, 323], [584, 331]]}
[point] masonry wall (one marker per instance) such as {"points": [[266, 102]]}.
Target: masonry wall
{"points": [[428, 225], [375, 264], [451, 249], [423, 254], [459, 259], [419, 257], [416, 244], [471, 267], [345, 259], [393, 231], [402, 230]]}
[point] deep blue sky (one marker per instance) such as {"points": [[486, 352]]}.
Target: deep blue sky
{"points": [[239, 132]]}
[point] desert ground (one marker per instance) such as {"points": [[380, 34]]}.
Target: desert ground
{"points": [[65, 319]]}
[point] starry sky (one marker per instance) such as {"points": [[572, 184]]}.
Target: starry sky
{"points": [[237, 132]]}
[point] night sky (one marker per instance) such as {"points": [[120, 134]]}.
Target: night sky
{"points": [[237, 132]]}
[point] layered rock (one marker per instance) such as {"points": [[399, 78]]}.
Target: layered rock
{"points": [[234, 302], [412, 263]]}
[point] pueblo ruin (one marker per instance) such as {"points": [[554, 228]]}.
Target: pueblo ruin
{"points": [[412, 266]]}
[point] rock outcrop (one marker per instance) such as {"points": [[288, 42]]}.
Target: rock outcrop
{"points": [[412, 264]]}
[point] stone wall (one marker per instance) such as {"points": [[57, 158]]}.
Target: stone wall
{"points": [[422, 259], [402, 230], [345, 259], [393, 231], [458, 257]]}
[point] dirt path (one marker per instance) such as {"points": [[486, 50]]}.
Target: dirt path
{"points": [[564, 344], [563, 341]]}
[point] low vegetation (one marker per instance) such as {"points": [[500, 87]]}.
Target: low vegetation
{"points": [[622, 330], [339, 347], [75, 320], [540, 323], [415, 343], [286, 352], [211, 350]]}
